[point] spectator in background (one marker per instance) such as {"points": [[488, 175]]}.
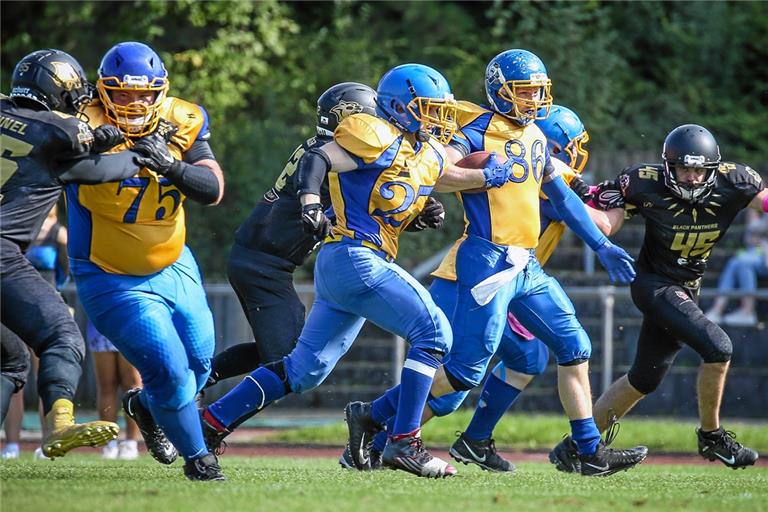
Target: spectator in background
{"points": [[113, 371], [48, 254], [741, 273]]}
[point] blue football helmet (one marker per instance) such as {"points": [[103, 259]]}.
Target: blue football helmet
{"points": [[566, 136], [132, 66], [518, 87], [417, 98]]}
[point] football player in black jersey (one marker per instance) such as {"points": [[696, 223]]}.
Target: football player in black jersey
{"points": [[44, 146], [688, 202]]}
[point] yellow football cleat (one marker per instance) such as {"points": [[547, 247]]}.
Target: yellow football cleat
{"points": [[64, 434]]}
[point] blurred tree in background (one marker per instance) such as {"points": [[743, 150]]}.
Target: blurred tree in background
{"points": [[632, 70]]}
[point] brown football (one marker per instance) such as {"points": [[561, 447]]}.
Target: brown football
{"points": [[477, 160]]}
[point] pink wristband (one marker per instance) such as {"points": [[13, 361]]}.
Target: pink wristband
{"points": [[765, 204], [591, 202]]}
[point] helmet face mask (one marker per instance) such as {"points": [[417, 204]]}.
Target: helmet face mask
{"points": [[517, 86], [566, 137], [341, 101], [690, 147], [136, 69], [52, 79], [417, 99]]}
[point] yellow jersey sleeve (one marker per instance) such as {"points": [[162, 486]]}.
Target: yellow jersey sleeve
{"points": [[188, 117], [365, 137]]}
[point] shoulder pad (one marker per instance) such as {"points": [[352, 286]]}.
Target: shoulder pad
{"points": [[191, 120], [365, 136], [468, 112], [742, 177], [79, 135]]}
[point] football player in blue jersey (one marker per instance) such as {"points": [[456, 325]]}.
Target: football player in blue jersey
{"points": [[382, 170], [45, 146], [496, 270], [138, 281]]}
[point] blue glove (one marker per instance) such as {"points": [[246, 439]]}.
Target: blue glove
{"points": [[497, 174], [617, 262]]}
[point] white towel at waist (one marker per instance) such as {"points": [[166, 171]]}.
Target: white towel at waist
{"points": [[484, 291]]}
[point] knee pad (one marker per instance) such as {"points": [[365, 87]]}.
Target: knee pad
{"points": [[575, 348], [647, 380], [278, 368], [720, 348], [457, 384], [446, 404]]}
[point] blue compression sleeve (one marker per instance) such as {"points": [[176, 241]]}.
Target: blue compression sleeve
{"points": [[574, 213]]}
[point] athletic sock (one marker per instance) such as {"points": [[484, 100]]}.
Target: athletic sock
{"points": [[182, 427], [380, 440], [497, 396], [415, 382], [254, 392], [585, 434], [385, 406]]}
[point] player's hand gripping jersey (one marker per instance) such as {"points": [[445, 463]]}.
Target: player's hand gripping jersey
{"points": [[274, 226], [375, 202], [679, 235], [135, 226]]}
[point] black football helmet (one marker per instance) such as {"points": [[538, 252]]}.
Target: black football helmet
{"points": [[340, 101], [690, 145], [53, 79]]}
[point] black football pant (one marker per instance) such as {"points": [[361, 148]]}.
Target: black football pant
{"points": [[37, 314], [671, 319], [14, 367], [264, 285]]}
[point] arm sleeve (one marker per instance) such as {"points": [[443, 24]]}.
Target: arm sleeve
{"points": [[200, 150], [311, 171], [98, 168], [197, 182], [574, 213]]}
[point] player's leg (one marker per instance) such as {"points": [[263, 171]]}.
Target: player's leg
{"points": [[129, 378], [264, 287], [522, 359], [549, 314], [105, 366], [675, 309], [36, 313], [14, 367]]}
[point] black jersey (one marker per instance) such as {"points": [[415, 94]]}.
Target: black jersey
{"points": [[34, 145], [679, 235], [274, 225]]}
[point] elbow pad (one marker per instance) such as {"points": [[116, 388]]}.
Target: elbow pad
{"points": [[197, 182], [311, 172]]}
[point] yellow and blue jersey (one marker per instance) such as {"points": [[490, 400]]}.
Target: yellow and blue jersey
{"points": [[134, 226], [375, 202], [507, 215]]}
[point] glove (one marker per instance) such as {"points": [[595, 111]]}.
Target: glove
{"points": [[314, 221], [617, 262], [497, 174], [581, 188], [432, 216], [156, 155], [105, 137]]}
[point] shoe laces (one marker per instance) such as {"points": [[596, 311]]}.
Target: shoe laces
{"points": [[728, 440], [612, 432]]}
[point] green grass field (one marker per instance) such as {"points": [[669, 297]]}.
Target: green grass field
{"points": [[87, 483], [541, 432]]}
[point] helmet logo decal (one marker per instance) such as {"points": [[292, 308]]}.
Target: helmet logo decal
{"points": [[694, 160], [136, 81], [66, 76], [494, 74], [345, 109]]}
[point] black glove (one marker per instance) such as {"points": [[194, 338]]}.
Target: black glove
{"points": [[432, 216], [580, 187], [314, 220], [105, 137], [156, 155]]}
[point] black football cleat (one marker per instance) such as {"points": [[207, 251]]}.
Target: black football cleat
{"points": [[205, 468], [483, 453], [565, 456], [213, 437], [721, 445], [346, 462], [157, 444], [362, 429], [407, 453], [607, 461]]}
